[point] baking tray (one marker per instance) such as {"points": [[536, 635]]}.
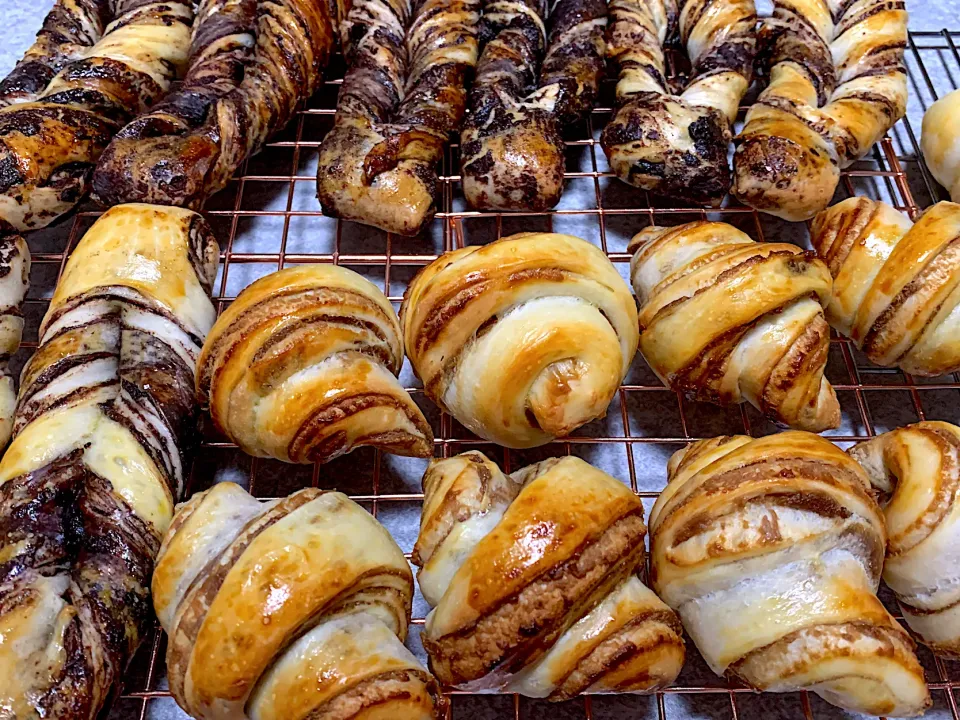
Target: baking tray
{"points": [[268, 218]]}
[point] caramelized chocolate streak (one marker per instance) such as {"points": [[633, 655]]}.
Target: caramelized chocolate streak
{"points": [[14, 279], [375, 691], [402, 97], [676, 145], [512, 152], [68, 30], [523, 627], [789, 153], [67, 536], [71, 93], [251, 63]]}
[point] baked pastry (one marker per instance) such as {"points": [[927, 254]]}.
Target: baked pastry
{"points": [[302, 367], [288, 610], [511, 148], [939, 141], [51, 136], [522, 340], [533, 578], [676, 144], [14, 279], [727, 320], [837, 84], [68, 30], [771, 549], [896, 287], [88, 485], [916, 472], [405, 92], [251, 63]]}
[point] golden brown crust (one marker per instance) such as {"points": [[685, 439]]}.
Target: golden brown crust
{"points": [[770, 549], [729, 320], [537, 592], [896, 284], [521, 340], [302, 367], [291, 609]]}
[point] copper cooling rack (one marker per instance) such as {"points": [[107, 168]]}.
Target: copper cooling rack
{"points": [[269, 218]]}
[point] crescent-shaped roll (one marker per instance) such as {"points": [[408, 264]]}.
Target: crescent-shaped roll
{"points": [[88, 485], [771, 549], [940, 142], [303, 367], [533, 579], [51, 137], [294, 609], [522, 340], [14, 279], [837, 84], [729, 320], [896, 287], [677, 144], [916, 471]]}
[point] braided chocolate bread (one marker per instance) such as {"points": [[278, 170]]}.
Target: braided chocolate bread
{"points": [[676, 145], [14, 279], [511, 147], [251, 63], [50, 138], [404, 94], [88, 485], [837, 83]]}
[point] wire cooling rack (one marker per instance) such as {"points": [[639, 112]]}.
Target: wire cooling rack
{"points": [[268, 218]]}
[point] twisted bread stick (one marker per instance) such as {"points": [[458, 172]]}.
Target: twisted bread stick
{"points": [[50, 141], [676, 145], [837, 84], [512, 152], [404, 93], [251, 63], [87, 486]]}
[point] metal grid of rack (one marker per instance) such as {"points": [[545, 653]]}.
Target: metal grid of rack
{"points": [[268, 218]]}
